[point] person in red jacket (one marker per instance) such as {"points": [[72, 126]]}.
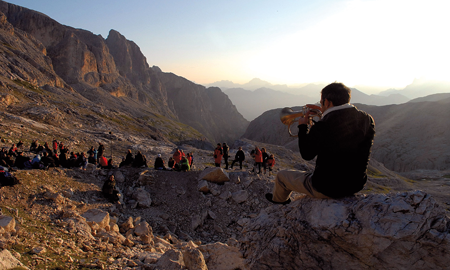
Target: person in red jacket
{"points": [[177, 156], [55, 146], [103, 162], [258, 159], [218, 153], [270, 163]]}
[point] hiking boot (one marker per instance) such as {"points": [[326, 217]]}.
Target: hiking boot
{"points": [[269, 197]]}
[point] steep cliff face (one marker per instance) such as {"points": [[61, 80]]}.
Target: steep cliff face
{"points": [[25, 58], [112, 73], [132, 66]]}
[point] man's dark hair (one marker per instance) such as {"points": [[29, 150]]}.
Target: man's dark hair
{"points": [[337, 93]]}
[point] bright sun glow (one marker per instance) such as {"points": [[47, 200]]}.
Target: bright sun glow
{"points": [[381, 43]]}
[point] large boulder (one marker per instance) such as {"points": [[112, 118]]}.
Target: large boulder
{"points": [[7, 223], [395, 231], [215, 175], [8, 261], [194, 260], [142, 197], [172, 259], [220, 256], [97, 216]]}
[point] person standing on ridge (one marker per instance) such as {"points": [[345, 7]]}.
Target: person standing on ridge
{"points": [[239, 157], [258, 159], [225, 149], [100, 151], [270, 163], [218, 155], [265, 157], [341, 141]]}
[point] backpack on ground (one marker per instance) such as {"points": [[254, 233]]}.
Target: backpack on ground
{"points": [[7, 179]]}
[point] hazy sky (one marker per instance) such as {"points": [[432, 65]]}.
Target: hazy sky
{"points": [[384, 43]]}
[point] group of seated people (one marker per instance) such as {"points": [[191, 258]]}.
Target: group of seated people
{"points": [[43, 157], [139, 160], [178, 162]]}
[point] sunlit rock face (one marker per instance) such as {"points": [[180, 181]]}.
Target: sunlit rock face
{"points": [[110, 72]]}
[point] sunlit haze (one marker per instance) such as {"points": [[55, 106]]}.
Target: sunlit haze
{"points": [[385, 43]]}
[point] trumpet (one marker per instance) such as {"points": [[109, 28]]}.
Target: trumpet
{"points": [[288, 116]]}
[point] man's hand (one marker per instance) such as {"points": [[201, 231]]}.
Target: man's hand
{"points": [[314, 107], [304, 120]]}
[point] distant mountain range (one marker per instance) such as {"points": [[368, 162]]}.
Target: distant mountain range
{"points": [[409, 136], [257, 96], [251, 104], [421, 88]]}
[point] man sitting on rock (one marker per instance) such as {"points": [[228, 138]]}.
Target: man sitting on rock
{"points": [[5, 159], [139, 160], [92, 159], [109, 189], [341, 140], [48, 161], [159, 163], [21, 160], [184, 165], [129, 159]]}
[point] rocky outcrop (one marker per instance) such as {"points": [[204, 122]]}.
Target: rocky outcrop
{"points": [[153, 251], [396, 231]]}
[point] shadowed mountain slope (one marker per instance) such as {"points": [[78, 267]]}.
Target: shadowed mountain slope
{"points": [[408, 136]]}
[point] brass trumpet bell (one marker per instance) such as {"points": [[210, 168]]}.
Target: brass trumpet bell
{"points": [[288, 116]]}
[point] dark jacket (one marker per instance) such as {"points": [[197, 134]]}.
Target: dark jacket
{"points": [[240, 156], [20, 161], [129, 159], [342, 142], [92, 160], [48, 161], [101, 149], [225, 151], [159, 163], [139, 160], [109, 190]]}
